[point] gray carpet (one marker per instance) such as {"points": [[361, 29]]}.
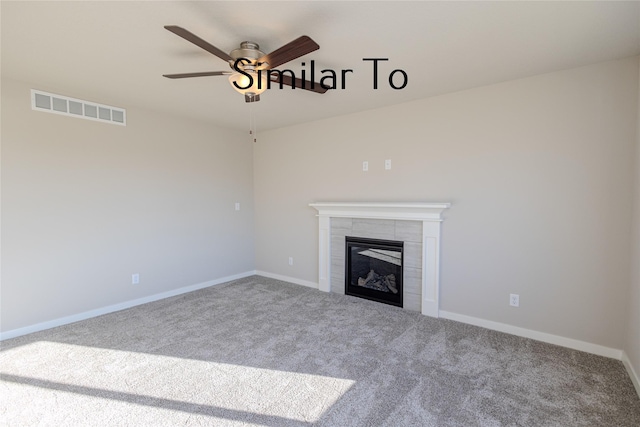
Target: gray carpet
{"points": [[260, 352]]}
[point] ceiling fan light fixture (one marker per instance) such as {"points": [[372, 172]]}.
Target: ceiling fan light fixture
{"points": [[248, 86], [249, 61]]}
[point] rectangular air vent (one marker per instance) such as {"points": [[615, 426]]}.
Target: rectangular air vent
{"points": [[58, 104]]}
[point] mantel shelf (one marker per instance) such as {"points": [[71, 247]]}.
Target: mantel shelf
{"points": [[382, 210]]}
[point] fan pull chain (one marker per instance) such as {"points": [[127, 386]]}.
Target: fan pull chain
{"points": [[252, 125]]}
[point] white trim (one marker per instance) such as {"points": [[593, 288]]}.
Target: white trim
{"points": [[535, 335], [324, 253], [293, 280], [381, 210], [635, 379], [117, 307], [430, 305]]}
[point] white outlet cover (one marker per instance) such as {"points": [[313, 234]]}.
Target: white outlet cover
{"points": [[387, 164], [514, 300], [365, 166]]}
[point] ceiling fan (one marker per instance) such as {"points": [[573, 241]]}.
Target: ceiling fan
{"points": [[248, 63]]}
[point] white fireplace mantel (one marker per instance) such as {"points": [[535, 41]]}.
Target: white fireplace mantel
{"points": [[429, 213], [400, 211]]}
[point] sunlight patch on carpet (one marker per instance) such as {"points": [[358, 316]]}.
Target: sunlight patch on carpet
{"points": [[99, 379]]}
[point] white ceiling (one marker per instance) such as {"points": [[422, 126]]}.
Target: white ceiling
{"points": [[115, 52]]}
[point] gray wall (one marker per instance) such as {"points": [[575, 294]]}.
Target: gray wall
{"points": [[539, 172], [632, 346], [86, 204]]}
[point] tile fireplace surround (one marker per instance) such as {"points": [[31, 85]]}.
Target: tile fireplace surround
{"points": [[416, 224]]}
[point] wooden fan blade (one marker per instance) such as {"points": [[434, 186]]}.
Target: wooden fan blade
{"points": [[298, 83], [203, 74], [292, 50], [188, 36]]}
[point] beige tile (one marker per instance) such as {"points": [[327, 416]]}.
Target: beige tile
{"points": [[337, 246], [408, 231], [337, 286], [413, 255], [374, 228], [341, 226], [411, 302], [412, 280]]}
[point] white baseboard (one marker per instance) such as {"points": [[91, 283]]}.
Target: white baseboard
{"points": [[287, 279], [536, 335], [117, 307], [631, 371]]}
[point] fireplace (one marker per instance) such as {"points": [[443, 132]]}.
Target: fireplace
{"points": [[417, 224], [373, 269]]}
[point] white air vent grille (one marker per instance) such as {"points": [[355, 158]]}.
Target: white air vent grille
{"points": [[58, 104]]}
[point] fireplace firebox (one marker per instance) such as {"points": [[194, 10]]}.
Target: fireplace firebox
{"points": [[373, 269]]}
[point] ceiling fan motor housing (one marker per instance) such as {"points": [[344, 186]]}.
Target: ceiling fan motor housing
{"points": [[248, 50]]}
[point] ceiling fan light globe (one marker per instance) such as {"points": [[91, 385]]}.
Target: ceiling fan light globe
{"points": [[244, 85]]}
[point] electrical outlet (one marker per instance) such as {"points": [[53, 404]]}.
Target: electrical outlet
{"points": [[514, 300], [290, 260], [135, 279], [387, 164], [237, 206], [365, 166]]}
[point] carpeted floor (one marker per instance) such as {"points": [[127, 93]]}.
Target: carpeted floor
{"points": [[260, 352]]}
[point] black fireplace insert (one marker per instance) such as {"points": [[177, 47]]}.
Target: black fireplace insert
{"points": [[373, 269]]}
